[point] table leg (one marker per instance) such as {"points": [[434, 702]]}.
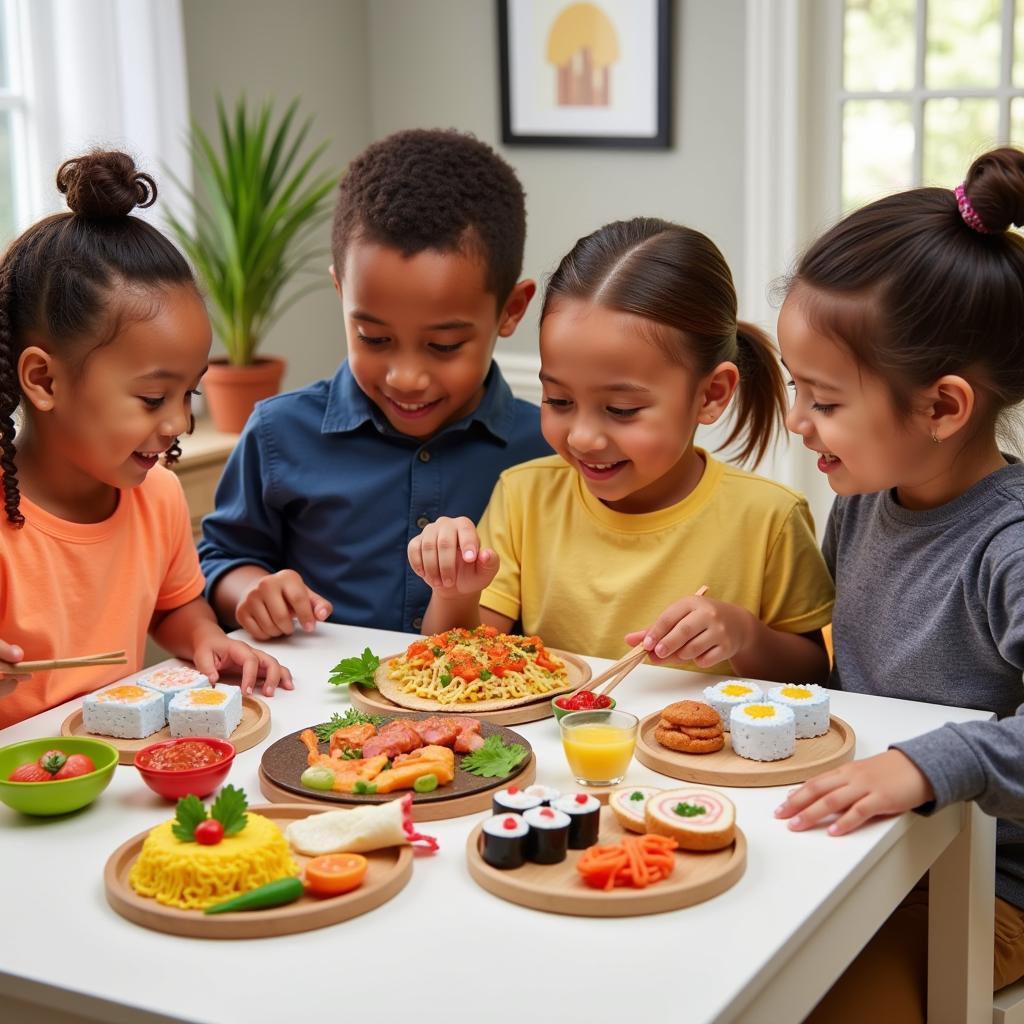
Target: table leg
{"points": [[960, 924]]}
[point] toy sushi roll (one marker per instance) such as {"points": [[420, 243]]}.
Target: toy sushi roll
{"points": [[724, 696], [505, 841], [810, 707], [171, 680], [549, 835], [584, 813], [628, 804], [763, 731], [513, 801], [548, 794]]}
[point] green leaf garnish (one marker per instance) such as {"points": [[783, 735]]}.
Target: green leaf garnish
{"points": [[326, 730], [352, 754], [485, 674], [229, 809], [636, 795], [187, 815], [494, 758], [356, 670], [685, 810]]}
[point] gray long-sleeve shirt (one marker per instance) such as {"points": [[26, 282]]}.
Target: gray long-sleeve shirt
{"points": [[930, 606]]}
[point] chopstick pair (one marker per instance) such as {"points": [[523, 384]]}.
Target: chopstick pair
{"points": [[24, 668], [617, 671]]}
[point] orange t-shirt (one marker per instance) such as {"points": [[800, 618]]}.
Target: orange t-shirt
{"points": [[71, 589]]}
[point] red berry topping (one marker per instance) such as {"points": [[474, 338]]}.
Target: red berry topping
{"points": [[509, 823], [546, 812], [513, 789], [581, 798]]}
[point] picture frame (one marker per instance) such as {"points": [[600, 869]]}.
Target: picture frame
{"points": [[595, 74]]}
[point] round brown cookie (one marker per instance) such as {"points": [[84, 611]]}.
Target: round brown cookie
{"points": [[676, 740], [701, 732], [693, 713]]}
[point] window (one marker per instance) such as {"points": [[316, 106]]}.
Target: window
{"points": [[924, 87], [14, 148]]}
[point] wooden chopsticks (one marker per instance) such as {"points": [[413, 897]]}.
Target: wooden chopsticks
{"points": [[618, 670], [106, 658]]}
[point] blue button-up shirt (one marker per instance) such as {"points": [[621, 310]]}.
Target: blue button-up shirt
{"points": [[321, 483]]}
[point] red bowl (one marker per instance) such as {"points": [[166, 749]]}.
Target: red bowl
{"points": [[200, 782]]}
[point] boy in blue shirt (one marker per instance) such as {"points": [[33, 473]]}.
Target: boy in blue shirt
{"points": [[328, 484]]}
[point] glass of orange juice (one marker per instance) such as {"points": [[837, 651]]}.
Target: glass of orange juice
{"points": [[599, 745]]}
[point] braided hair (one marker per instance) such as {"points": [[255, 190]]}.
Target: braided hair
{"points": [[57, 279]]}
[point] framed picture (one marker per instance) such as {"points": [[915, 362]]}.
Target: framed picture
{"points": [[593, 73]]}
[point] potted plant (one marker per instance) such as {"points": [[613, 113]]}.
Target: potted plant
{"points": [[257, 206]]}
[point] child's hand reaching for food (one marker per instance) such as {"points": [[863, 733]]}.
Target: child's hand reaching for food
{"points": [[447, 556]]}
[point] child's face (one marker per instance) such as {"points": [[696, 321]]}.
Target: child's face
{"points": [[112, 415], [421, 330], [846, 414], [616, 408]]}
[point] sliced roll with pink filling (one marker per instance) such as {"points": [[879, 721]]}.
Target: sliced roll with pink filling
{"points": [[697, 819]]}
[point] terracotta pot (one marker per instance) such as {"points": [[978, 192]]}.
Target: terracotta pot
{"points": [[232, 391]]}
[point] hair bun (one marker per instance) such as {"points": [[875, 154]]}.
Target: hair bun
{"points": [[995, 187], [104, 183]]}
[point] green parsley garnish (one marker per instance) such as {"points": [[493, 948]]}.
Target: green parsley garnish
{"points": [[356, 670], [685, 810], [437, 651], [445, 679], [326, 730], [229, 809], [637, 795], [494, 758], [485, 674]]}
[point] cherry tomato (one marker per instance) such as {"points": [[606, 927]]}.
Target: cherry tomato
{"points": [[209, 832], [335, 873], [75, 765], [30, 772]]}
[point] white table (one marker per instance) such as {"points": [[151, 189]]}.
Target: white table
{"points": [[764, 951]]}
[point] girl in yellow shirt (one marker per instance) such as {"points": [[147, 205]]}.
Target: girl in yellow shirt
{"points": [[639, 345]]}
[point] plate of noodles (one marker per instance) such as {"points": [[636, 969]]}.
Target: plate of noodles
{"points": [[478, 670]]}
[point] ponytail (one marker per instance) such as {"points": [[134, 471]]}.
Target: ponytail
{"points": [[761, 396]]}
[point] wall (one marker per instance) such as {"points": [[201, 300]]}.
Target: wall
{"points": [[268, 49]]}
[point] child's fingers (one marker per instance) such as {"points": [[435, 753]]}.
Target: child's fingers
{"points": [[684, 641], [469, 542], [861, 812], [447, 555], [11, 653], [252, 617], [712, 656], [669, 619], [300, 605], [246, 659], [806, 794], [428, 558], [415, 553], [272, 672], [632, 639], [278, 610], [206, 663], [322, 608]]}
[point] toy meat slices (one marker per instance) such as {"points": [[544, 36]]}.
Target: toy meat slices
{"points": [[697, 819]]}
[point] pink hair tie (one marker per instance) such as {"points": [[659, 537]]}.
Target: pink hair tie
{"points": [[969, 214]]}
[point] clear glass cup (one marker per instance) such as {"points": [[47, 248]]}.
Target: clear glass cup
{"points": [[599, 745]]}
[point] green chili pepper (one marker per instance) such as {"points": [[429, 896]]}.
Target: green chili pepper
{"points": [[425, 784], [273, 894], [365, 787]]}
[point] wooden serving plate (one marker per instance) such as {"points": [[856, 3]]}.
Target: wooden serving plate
{"points": [[372, 701], [286, 759], [254, 727], [388, 872], [558, 888], [726, 768]]}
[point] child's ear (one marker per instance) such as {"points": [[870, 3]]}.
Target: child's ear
{"points": [[949, 403], [334, 280], [515, 307], [36, 369], [716, 391]]}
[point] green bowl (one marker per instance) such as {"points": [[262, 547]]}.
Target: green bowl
{"points": [[58, 796], [560, 713]]}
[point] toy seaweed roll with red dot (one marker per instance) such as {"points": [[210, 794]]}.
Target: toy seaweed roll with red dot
{"points": [[584, 812], [514, 801], [505, 841], [549, 835]]}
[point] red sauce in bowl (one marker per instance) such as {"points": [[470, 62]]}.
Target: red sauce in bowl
{"points": [[182, 757]]}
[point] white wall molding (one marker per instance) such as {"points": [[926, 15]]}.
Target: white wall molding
{"points": [[520, 369]]}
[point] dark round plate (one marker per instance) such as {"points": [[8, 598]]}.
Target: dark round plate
{"points": [[284, 761]]}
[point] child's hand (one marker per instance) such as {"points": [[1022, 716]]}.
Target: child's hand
{"points": [[888, 783], [10, 654], [270, 606], [447, 556], [697, 629], [214, 651]]}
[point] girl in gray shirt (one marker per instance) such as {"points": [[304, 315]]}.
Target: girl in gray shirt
{"points": [[903, 332]]}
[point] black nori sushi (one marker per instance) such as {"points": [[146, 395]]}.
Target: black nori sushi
{"points": [[514, 801], [584, 812], [505, 841], [549, 835]]}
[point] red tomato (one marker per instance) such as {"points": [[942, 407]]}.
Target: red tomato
{"points": [[209, 832], [75, 765], [30, 772]]}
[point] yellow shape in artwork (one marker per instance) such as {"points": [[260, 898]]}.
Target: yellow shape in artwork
{"points": [[582, 45]]}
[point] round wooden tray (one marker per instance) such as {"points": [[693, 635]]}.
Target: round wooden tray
{"points": [[725, 768], [374, 702], [388, 872], [254, 727], [558, 888], [286, 759]]}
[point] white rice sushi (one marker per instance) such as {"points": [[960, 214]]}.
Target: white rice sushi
{"points": [[810, 707], [724, 696], [505, 841], [205, 712], [547, 794], [172, 680], [763, 731], [548, 841], [628, 804], [126, 711]]}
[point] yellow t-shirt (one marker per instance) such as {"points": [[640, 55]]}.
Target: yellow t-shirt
{"points": [[581, 575], [68, 589]]}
